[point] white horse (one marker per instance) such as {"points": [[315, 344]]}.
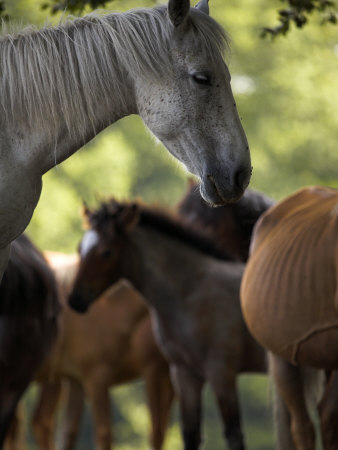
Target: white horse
{"points": [[61, 85]]}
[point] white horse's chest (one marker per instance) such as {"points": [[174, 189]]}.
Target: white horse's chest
{"points": [[19, 194]]}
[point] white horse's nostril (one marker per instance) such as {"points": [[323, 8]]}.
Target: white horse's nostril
{"points": [[214, 186], [242, 178]]}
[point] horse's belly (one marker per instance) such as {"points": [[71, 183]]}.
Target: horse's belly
{"points": [[290, 307]]}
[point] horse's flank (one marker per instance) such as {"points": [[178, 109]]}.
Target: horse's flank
{"points": [[54, 74]]}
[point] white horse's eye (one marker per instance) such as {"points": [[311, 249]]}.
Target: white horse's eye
{"points": [[201, 78]]}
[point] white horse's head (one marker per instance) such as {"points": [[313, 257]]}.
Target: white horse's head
{"points": [[191, 108]]}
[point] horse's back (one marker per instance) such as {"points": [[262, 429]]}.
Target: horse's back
{"points": [[289, 289]]}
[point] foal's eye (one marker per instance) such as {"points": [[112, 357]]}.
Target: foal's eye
{"points": [[201, 78]]}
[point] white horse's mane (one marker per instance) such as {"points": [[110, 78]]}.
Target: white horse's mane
{"points": [[55, 74]]}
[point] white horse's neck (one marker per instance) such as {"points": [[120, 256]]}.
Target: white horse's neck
{"points": [[62, 144], [79, 83]]}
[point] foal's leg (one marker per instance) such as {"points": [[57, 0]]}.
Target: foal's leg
{"points": [[328, 411], [72, 415], [160, 396], [43, 423], [98, 392], [290, 386], [224, 386], [188, 389]]}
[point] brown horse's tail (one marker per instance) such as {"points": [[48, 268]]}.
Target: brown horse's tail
{"points": [[313, 382]]}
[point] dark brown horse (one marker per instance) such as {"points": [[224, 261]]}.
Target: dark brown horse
{"points": [[28, 313], [290, 303], [230, 226], [192, 289]]}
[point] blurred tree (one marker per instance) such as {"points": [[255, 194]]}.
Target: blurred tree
{"points": [[3, 14], [73, 6], [298, 13]]}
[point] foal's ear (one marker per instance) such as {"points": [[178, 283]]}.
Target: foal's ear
{"points": [[128, 218], [178, 11]]}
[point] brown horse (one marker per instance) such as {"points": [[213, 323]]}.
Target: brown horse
{"points": [[231, 225], [289, 299], [28, 323], [194, 300], [112, 344]]}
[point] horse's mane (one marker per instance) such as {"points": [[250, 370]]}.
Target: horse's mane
{"points": [[215, 221], [51, 75], [28, 287], [162, 221]]}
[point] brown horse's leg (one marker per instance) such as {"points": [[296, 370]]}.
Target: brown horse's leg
{"points": [[328, 411], [160, 395], [9, 400], [224, 386], [188, 390], [14, 439], [43, 420], [98, 392], [289, 384], [72, 415]]}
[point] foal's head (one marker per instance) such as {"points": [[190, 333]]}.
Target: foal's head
{"points": [[103, 254], [191, 108]]}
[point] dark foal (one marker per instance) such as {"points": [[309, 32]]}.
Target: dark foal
{"points": [[229, 226], [193, 296], [28, 313]]}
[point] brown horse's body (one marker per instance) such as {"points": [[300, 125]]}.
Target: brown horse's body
{"points": [[194, 299], [290, 301], [291, 279], [28, 324], [110, 345]]}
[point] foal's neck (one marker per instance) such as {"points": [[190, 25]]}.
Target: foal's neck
{"points": [[161, 267]]}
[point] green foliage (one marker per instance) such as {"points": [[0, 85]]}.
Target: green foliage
{"points": [[3, 14], [298, 13], [73, 6]]}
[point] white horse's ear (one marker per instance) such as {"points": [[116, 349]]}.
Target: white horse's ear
{"points": [[178, 11], [203, 5]]}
